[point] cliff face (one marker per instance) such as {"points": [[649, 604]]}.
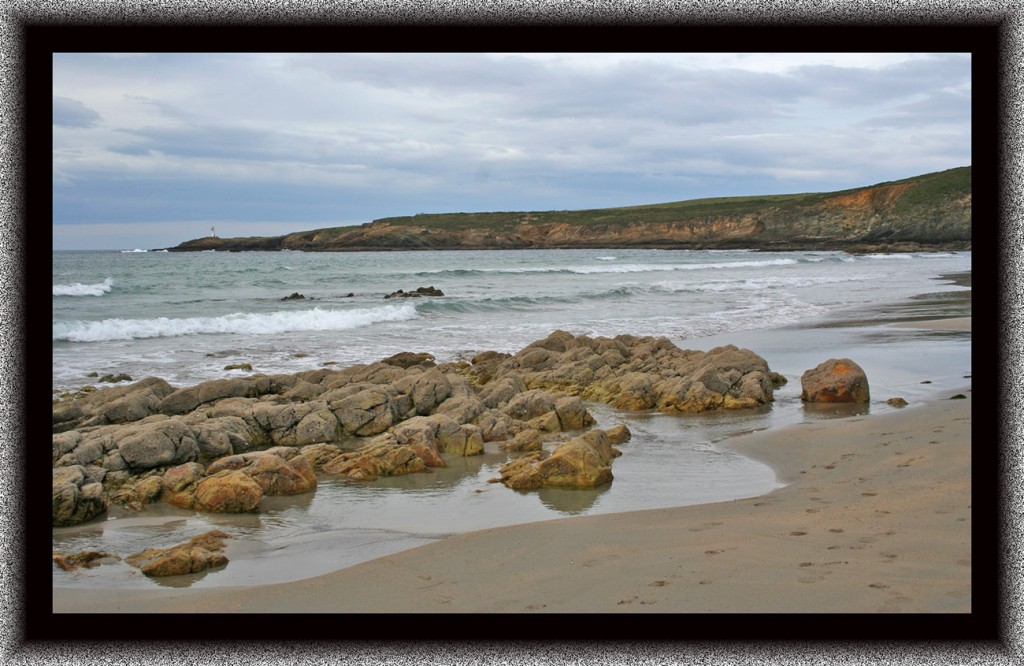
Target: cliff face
{"points": [[927, 212]]}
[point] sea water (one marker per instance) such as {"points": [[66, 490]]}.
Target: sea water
{"points": [[185, 316]]}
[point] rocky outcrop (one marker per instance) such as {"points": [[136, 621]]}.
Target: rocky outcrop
{"points": [[925, 212], [222, 445], [628, 372], [835, 380]]}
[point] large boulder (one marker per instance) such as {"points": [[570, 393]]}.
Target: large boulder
{"points": [[835, 380]]}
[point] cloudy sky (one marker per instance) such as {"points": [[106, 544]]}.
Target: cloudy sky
{"points": [[150, 150]]}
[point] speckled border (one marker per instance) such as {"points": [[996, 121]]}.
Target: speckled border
{"points": [[117, 646]]}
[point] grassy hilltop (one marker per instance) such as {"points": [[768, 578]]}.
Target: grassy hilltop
{"points": [[932, 211]]}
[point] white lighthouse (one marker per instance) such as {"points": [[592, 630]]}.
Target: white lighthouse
{"points": [[213, 234]]}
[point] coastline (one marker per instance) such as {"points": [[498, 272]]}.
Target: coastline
{"points": [[875, 518]]}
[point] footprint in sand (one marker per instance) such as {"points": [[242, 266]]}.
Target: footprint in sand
{"points": [[704, 526]]}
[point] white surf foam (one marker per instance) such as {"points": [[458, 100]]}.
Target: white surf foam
{"points": [[78, 289], [241, 323]]}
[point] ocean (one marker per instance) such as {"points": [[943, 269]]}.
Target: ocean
{"points": [[186, 316]]}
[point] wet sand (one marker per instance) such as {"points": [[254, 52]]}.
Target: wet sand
{"points": [[876, 518]]}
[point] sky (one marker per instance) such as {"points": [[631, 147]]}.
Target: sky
{"points": [[150, 150]]}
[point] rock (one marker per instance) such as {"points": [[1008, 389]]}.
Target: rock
{"points": [[499, 392], [462, 409], [364, 414], [228, 491], [185, 400], [526, 441], [572, 414], [294, 296], [382, 456], [181, 477], [547, 422], [239, 366], [76, 496], [409, 359], [195, 555], [835, 380], [496, 426], [896, 402], [299, 424], [319, 455], [619, 434], [275, 475], [582, 462], [633, 373], [120, 404], [530, 404], [427, 389], [224, 436], [114, 379], [85, 558], [168, 442], [422, 291]]}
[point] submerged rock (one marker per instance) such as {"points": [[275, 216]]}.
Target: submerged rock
{"points": [[85, 558], [422, 291], [197, 554]]}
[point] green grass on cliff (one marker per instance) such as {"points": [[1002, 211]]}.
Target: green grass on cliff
{"points": [[929, 190], [924, 190]]}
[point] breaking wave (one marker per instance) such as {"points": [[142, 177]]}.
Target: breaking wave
{"points": [[618, 268], [78, 289], [242, 323]]}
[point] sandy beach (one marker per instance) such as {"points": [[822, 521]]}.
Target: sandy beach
{"points": [[876, 518]]}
